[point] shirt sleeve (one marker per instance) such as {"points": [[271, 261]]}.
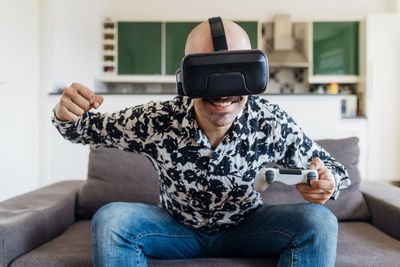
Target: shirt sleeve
{"points": [[127, 129], [298, 150]]}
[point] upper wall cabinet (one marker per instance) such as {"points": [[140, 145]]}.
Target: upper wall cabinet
{"points": [[139, 48], [176, 33], [335, 48], [149, 51]]}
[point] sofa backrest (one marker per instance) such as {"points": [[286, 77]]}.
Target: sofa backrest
{"points": [[115, 175]]}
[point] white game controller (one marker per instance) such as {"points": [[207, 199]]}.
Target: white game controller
{"points": [[268, 176]]}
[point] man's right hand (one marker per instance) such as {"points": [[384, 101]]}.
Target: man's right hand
{"points": [[75, 101]]}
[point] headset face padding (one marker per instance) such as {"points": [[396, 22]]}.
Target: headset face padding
{"points": [[223, 73]]}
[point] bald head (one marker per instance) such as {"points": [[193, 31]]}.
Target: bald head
{"points": [[199, 39]]}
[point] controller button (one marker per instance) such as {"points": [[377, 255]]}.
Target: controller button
{"points": [[311, 175], [269, 176]]}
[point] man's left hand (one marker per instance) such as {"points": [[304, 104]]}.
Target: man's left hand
{"points": [[320, 190]]}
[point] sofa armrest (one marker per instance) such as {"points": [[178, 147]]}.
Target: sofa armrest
{"points": [[383, 200], [29, 220]]}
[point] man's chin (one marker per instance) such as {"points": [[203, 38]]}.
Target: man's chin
{"points": [[222, 122]]}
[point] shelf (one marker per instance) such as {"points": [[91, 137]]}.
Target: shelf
{"points": [[109, 30], [138, 78], [334, 79], [354, 118], [109, 53], [109, 41]]}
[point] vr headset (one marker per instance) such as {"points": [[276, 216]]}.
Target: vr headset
{"points": [[222, 73]]}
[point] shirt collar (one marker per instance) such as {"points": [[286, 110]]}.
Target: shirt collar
{"points": [[240, 127], [188, 122]]}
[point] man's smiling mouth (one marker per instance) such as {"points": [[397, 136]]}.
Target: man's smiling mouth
{"points": [[223, 101]]}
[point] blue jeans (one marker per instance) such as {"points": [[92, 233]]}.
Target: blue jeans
{"points": [[303, 234]]}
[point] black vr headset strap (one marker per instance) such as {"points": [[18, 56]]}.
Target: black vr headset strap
{"points": [[218, 34]]}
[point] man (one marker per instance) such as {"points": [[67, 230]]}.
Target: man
{"points": [[207, 153]]}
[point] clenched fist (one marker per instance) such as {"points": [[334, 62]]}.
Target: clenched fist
{"points": [[75, 101]]}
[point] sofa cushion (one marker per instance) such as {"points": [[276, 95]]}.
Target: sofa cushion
{"points": [[116, 175], [362, 244], [74, 248], [359, 244], [350, 205]]}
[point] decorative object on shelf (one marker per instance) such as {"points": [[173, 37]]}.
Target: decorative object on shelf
{"points": [[349, 106], [333, 88], [320, 89], [109, 47], [324, 88]]}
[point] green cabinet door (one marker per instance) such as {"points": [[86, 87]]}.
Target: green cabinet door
{"points": [[175, 38], [335, 48], [251, 28], [139, 47]]}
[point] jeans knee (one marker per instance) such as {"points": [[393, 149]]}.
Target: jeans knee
{"points": [[325, 215], [105, 213], [105, 220], [317, 219], [117, 217]]}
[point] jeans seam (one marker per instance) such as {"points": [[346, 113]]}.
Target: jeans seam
{"points": [[266, 232], [160, 234], [291, 264], [293, 249], [138, 255]]}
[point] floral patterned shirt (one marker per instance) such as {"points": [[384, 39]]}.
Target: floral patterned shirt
{"points": [[203, 188]]}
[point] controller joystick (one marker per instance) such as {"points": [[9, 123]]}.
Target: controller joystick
{"points": [[311, 176], [269, 176]]}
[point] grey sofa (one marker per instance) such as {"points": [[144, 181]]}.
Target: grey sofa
{"points": [[51, 226]]}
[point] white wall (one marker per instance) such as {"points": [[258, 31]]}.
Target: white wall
{"points": [[383, 96], [19, 97], [239, 9]]}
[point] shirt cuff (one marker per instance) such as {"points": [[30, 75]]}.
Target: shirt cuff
{"points": [[57, 121], [335, 194]]}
